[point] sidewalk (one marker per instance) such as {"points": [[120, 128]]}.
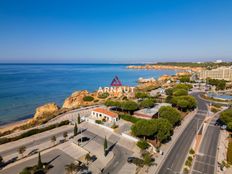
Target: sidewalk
{"points": [[159, 159], [222, 152]]}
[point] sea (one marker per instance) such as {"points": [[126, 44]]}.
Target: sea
{"points": [[24, 87]]}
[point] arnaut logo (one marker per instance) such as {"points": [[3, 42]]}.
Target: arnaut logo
{"points": [[116, 86]]}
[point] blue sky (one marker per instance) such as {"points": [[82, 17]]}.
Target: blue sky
{"points": [[115, 31]]}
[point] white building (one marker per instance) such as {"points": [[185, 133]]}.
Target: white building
{"points": [[221, 73], [101, 113]]}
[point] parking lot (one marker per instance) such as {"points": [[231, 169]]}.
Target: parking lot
{"points": [[56, 158]]}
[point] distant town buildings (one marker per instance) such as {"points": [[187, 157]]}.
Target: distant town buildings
{"points": [[101, 113], [221, 73], [218, 61]]}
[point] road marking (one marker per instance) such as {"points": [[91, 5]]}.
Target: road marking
{"points": [[197, 161]]}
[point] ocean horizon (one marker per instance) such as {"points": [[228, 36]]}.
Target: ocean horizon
{"points": [[24, 87]]}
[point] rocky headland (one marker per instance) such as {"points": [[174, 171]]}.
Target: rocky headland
{"points": [[168, 67]]}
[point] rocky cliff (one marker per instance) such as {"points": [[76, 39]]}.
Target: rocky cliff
{"points": [[75, 100], [45, 110]]}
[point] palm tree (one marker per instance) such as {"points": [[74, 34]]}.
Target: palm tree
{"points": [[70, 168], [53, 139], [87, 158], [21, 150]]}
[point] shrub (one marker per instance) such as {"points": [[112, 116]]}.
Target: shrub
{"points": [[192, 151], [147, 103], [98, 122], [129, 118], [229, 153], [142, 144], [114, 126], [141, 95], [88, 98], [186, 170], [190, 158], [103, 95], [188, 163]]}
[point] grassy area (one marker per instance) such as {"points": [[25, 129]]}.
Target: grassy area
{"points": [[130, 118], [33, 132], [229, 153]]}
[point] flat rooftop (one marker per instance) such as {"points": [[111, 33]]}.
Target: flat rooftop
{"points": [[150, 112]]}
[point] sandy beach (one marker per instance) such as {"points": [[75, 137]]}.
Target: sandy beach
{"points": [[12, 125]]}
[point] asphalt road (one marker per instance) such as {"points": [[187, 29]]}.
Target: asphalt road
{"points": [[206, 158], [178, 153], [120, 153], [57, 159]]}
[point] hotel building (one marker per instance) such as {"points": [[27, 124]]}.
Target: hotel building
{"points": [[221, 73]]}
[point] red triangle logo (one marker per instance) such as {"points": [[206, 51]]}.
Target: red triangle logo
{"points": [[116, 82]]}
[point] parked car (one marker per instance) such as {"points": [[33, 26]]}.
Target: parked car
{"points": [[135, 160]]}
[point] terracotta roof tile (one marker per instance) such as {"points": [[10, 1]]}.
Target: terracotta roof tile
{"points": [[107, 112]]}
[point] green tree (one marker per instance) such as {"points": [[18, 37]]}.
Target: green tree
{"points": [[226, 116], [129, 106], [180, 92], [39, 164], [229, 126], [75, 130], [87, 158], [183, 86], [147, 158], [171, 114], [21, 150], [169, 91], [189, 104], [141, 95], [142, 144], [78, 119], [164, 130], [70, 168], [53, 139], [184, 79], [147, 103], [145, 128], [105, 146]]}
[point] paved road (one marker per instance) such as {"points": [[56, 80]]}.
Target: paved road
{"points": [[56, 157], [30, 144], [206, 158], [120, 153], [178, 153]]}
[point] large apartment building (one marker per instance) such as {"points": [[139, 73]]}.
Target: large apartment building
{"points": [[219, 73]]}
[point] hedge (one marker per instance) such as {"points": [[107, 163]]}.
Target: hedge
{"points": [[229, 153]]}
